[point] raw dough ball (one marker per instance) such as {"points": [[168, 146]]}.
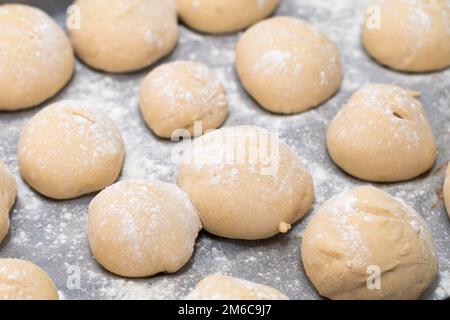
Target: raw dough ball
{"points": [[414, 35], [219, 287], [68, 150], [141, 228], [245, 183], [286, 66], [7, 198], [23, 280], [222, 16], [175, 95], [382, 134], [447, 190], [362, 230], [36, 58], [124, 35]]}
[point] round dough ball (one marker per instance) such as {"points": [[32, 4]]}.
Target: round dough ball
{"points": [[361, 232], [447, 190], [36, 57], [382, 134], [286, 66], [413, 35], [124, 35], [222, 16], [245, 183], [141, 228], [7, 198], [178, 94], [219, 287], [68, 150], [23, 280]]}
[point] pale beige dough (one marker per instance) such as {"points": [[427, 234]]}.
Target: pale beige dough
{"points": [[382, 134], [69, 149], [23, 280], [8, 192], [123, 35], [413, 35], [245, 183], [220, 287], [176, 95], [447, 190], [141, 228], [362, 229], [287, 66], [36, 57]]}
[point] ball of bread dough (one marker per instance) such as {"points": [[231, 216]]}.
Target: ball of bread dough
{"points": [[7, 198], [382, 134], [412, 35], [178, 94], [36, 57], [287, 66], [124, 35], [222, 16], [141, 228], [245, 183], [363, 234], [447, 190], [23, 280], [68, 150], [219, 287]]}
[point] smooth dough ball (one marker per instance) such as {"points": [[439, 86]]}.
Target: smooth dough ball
{"points": [[447, 190], [23, 280], [219, 287], [245, 183], [141, 228], [124, 35], [287, 66], [176, 95], [362, 233], [222, 16], [413, 35], [7, 198], [382, 134], [36, 57], [69, 149]]}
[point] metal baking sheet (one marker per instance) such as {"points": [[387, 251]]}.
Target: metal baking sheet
{"points": [[53, 234]]}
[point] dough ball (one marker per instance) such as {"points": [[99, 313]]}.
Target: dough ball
{"points": [[23, 280], [447, 190], [7, 198], [245, 183], [219, 287], [175, 95], [382, 134], [68, 150], [36, 57], [362, 233], [124, 35], [222, 16], [141, 228], [287, 66], [413, 35]]}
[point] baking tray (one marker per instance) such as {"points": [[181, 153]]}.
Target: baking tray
{"points": [[53, 234]]}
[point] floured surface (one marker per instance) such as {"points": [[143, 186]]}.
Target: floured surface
{"points": [[54, 234]]}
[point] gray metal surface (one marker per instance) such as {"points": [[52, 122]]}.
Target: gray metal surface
{"points": [[53, 234]]}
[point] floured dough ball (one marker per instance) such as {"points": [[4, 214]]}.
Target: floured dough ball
{"points": [[382, 134], [7, 198], [123, 35], [245, 183], [409, 35], [364, 244], [23, 280], [219, 287], [36, 57], [222, 16], [287, 66], [176, 95], [69, 149], [447, 190], [141, 228]]}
